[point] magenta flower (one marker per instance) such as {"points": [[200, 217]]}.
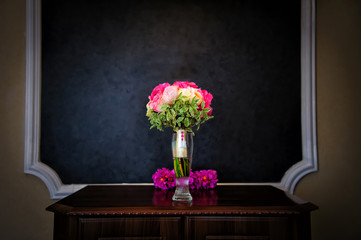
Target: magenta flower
{"points": [[192, 180], [164, 179], [206, 179]]}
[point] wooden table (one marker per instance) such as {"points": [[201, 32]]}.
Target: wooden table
{"points": [[142, 212]]}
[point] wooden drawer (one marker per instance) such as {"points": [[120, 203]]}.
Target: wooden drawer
{"points": [[132, 228], [232, 227]]}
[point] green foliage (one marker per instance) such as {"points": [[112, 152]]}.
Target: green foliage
{"points": [[181, 114]]}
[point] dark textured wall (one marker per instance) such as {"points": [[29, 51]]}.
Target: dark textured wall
{"points": [[101, 60]]}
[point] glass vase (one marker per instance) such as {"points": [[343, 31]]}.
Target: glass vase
{"points": [[182, 149]]}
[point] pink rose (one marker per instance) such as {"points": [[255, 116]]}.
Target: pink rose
{"points": [[155, 98], [207, 97], [158, 90], [186, 84], [156, 103], [170, 93]]}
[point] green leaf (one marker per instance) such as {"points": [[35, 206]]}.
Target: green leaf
{"points": [[198, 114], [164, 107], [191, 111], [203, 104], [186, 122], [195, 101], [180, 119], [173, 112]]}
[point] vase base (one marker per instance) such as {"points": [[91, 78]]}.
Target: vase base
{"points": [[182, 197], [182, 190]]}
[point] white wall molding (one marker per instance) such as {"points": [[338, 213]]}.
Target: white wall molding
{"points": [[57, 189], [32, 164], [308, 99]]}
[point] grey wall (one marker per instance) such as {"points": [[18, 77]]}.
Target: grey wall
{"points": [[101, 60]]}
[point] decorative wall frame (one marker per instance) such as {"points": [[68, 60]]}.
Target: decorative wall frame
{"points": [[32, 164]]}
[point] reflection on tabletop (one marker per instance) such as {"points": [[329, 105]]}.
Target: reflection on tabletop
{"points": [[200, 198]]}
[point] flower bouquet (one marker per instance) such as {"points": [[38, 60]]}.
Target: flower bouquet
{"points": [[180, 106]]}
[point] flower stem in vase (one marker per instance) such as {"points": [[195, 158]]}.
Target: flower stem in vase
{"points": [[182, 167]]}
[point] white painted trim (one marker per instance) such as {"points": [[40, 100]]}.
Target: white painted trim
{"points": [[57, 189], [308, 99], [32, 165]]}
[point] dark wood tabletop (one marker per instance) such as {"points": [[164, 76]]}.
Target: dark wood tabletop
{"points": [[146, 200]]}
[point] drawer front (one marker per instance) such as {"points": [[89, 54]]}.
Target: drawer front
{"points": [[241, 228], [131, 238], [131, 228]]}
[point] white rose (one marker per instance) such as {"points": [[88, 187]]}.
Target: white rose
{"points": [[188, 93]]}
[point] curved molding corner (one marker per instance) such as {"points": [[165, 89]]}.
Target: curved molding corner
{"points": [[57, 190], [308, 101], [32, 165]]}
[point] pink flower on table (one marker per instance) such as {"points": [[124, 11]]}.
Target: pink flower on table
{"points": [[164, 179], [185, 84], [192, 180], [196, 183], [204, 179], [207, 179]]}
